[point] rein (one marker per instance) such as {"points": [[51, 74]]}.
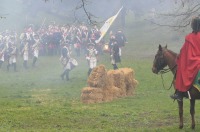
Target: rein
{"points": [[165, 71]]}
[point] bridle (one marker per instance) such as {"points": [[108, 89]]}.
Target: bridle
{"points": [[165, 71], [160, 63], [161, 70]]}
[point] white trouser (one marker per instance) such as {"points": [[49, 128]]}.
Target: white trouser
{"points": [[2, 58], [68, 66], [120, 52], [12, 59], [36, 53], [92, 62], [112, 59], [25, 56]]}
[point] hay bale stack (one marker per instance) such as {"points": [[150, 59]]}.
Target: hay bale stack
{"points": [[98, 77], [130, 82], [105, 86], [91, 95]]}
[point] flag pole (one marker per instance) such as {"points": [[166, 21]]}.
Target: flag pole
{"points": [[107, 25]]}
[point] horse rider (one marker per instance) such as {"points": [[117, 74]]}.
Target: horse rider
{"points": [[188, 61]]}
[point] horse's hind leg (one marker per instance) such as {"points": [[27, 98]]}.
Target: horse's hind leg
{"points": [[192, 112], [180, 106]]}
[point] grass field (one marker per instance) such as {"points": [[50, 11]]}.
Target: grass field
{"points": [[38, 100]]}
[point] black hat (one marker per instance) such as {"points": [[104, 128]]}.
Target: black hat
{"points": [[195, 24]]}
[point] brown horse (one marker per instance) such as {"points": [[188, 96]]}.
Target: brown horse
{"points": [[166, 57]]}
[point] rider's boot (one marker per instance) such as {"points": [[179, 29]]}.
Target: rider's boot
{"points": [[177, 96]]}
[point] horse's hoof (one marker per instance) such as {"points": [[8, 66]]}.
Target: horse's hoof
{"points": [[181, 127]]}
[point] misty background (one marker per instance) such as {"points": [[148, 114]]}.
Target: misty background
{"points": [[18, 13], [160, 19]]}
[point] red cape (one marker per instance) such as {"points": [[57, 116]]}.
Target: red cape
{"points": [[188, 62]]}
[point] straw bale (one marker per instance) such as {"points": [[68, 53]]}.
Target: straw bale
{"points": [[115, 92], [110, 76], [130, 90], [128, 74], [92, 95], [117, 79], [107, 95], [98, 77], [111, 93], [130, 82]]}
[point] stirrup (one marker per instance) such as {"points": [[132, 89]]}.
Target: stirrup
{"points": [[176, 97]]}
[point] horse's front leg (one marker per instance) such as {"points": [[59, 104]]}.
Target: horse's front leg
{"points": [[192, 112], [180, 106]]}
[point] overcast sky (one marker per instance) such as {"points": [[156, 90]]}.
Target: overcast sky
{"points": [[21, 12]]}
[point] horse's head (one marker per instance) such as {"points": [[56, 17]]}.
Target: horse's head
{"points": [[159, 61]]}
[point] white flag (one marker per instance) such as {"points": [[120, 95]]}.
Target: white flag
{"points": [[107, 25]]}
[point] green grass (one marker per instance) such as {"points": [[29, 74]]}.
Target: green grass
{"points": [[38, 100]]}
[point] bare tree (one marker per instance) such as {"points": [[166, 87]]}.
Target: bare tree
{"points": [[180, 16], [82, 5]]}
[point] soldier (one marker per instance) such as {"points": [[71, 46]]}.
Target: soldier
{"points": [[111, 42], [77, 45], [2, 50], [91, 57], [25, 53], [121, 40], [115, 55], [12, 53], [35, 48], [65, 57]]}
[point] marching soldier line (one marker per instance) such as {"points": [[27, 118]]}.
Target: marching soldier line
{"points": [[58, 40]]}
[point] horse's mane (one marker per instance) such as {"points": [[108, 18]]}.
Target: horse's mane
{"points": [[172, 52]]}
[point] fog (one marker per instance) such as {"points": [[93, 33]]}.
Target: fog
{"points": [[18, 13]]}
